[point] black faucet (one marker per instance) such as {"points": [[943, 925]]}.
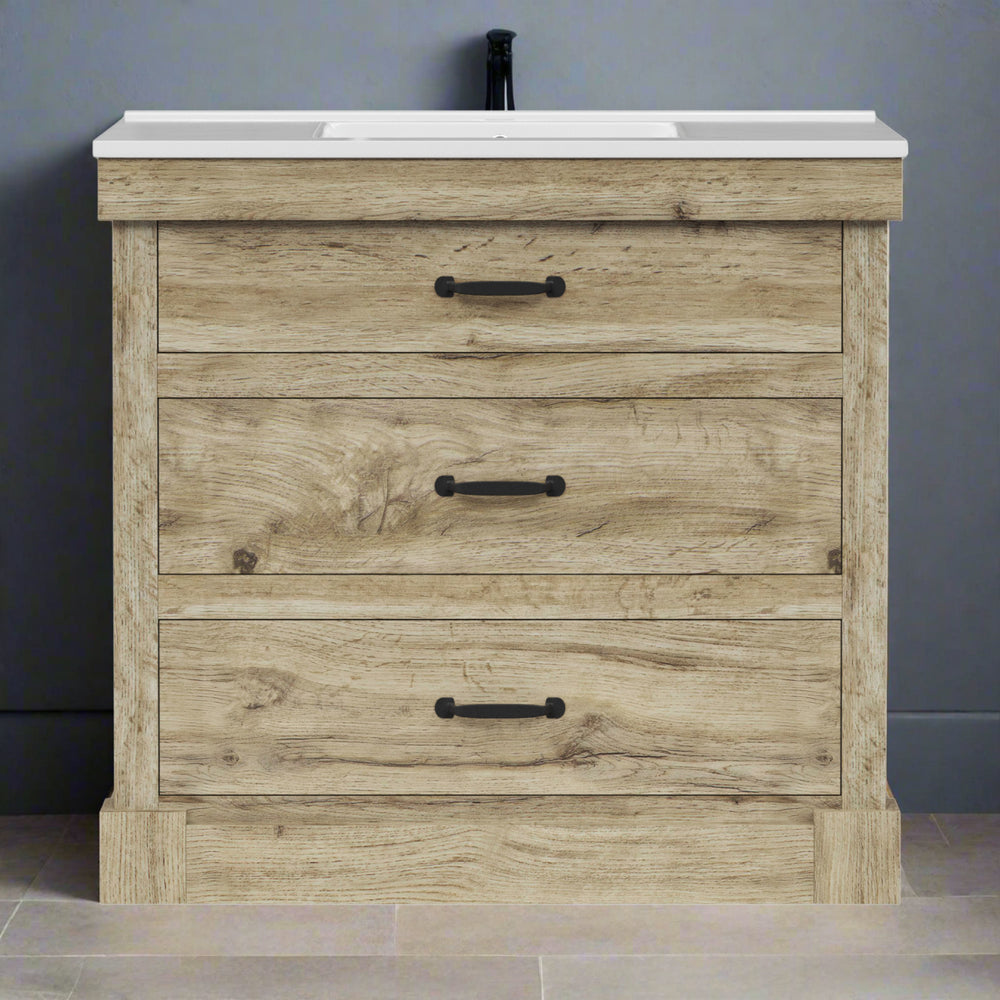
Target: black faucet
{"points": [[499, 71]]}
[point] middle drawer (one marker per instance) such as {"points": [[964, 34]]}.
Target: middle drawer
{"points": [[348, 485]]}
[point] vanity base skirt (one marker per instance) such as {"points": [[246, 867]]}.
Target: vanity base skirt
{"points": [[519, 849]]}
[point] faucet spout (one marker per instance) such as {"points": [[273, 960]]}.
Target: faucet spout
{"points": [[500, 70]]}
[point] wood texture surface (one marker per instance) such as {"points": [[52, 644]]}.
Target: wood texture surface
{"points": [[517, 189], [857, 855], [538, 596], [671, 486], [299, 708], [142, 855], [559, 810], [401, 376], [133, 362], [865, 550], [340, 256], [629, 287], [500, 861]]}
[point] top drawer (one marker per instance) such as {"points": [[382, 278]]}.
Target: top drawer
{"points": [[633, 286]]}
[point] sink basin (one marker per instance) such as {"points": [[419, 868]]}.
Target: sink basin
{"points": [[541, 129], [499, 134]]}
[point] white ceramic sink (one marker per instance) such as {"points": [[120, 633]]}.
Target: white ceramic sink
{"points": [[501, 134], [490, 129]]}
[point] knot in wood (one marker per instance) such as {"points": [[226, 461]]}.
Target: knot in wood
{"points": [[244, 561]]}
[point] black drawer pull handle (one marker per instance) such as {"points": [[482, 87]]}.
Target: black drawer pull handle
{"points": [[445, 708], [446, 286], [554, 486]]}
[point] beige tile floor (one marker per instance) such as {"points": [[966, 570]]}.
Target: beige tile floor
{"points": [[56, 942]]}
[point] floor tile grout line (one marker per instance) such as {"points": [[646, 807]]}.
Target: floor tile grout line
{"points": [[934, 819], [38, 874], [31, 884], [48, 857], [776, 956], [518, 957], [10, 918], [76, 982]]}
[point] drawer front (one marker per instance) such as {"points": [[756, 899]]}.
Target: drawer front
{"points": [[315, 708], [348, 486], [669, 286]]}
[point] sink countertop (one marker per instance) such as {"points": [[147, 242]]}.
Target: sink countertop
{"points": [[315, 135]]}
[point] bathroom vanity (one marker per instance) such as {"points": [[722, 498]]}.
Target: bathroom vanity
{"points": [[500, 507]]}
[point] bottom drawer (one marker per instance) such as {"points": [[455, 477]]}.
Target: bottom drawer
{"points": [[334, 707]]}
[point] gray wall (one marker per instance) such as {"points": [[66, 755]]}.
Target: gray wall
{"points": [[67, 70]]}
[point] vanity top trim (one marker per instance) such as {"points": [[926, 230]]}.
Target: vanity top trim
{"points": [[434, 190], [481, 135]]}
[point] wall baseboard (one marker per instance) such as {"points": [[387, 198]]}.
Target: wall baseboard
{"points": [[54, 762], [945, 762]]}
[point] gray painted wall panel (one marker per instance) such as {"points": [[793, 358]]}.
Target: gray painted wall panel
{"points": [[929, 68]]}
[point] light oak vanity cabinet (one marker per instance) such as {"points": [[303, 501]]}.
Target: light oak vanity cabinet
{"points": [[313, 627]]}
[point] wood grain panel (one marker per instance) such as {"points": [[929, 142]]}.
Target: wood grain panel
{"points": [[865, 557], [401, 376], [501, 862], [605, 596], [142, 855], [302, 708], [629, 287], [133, 416], [559, 810], [321, 486], [500, 189]]}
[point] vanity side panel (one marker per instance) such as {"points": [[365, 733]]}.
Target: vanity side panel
{"points": [[865, 513], [134, 428]]}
